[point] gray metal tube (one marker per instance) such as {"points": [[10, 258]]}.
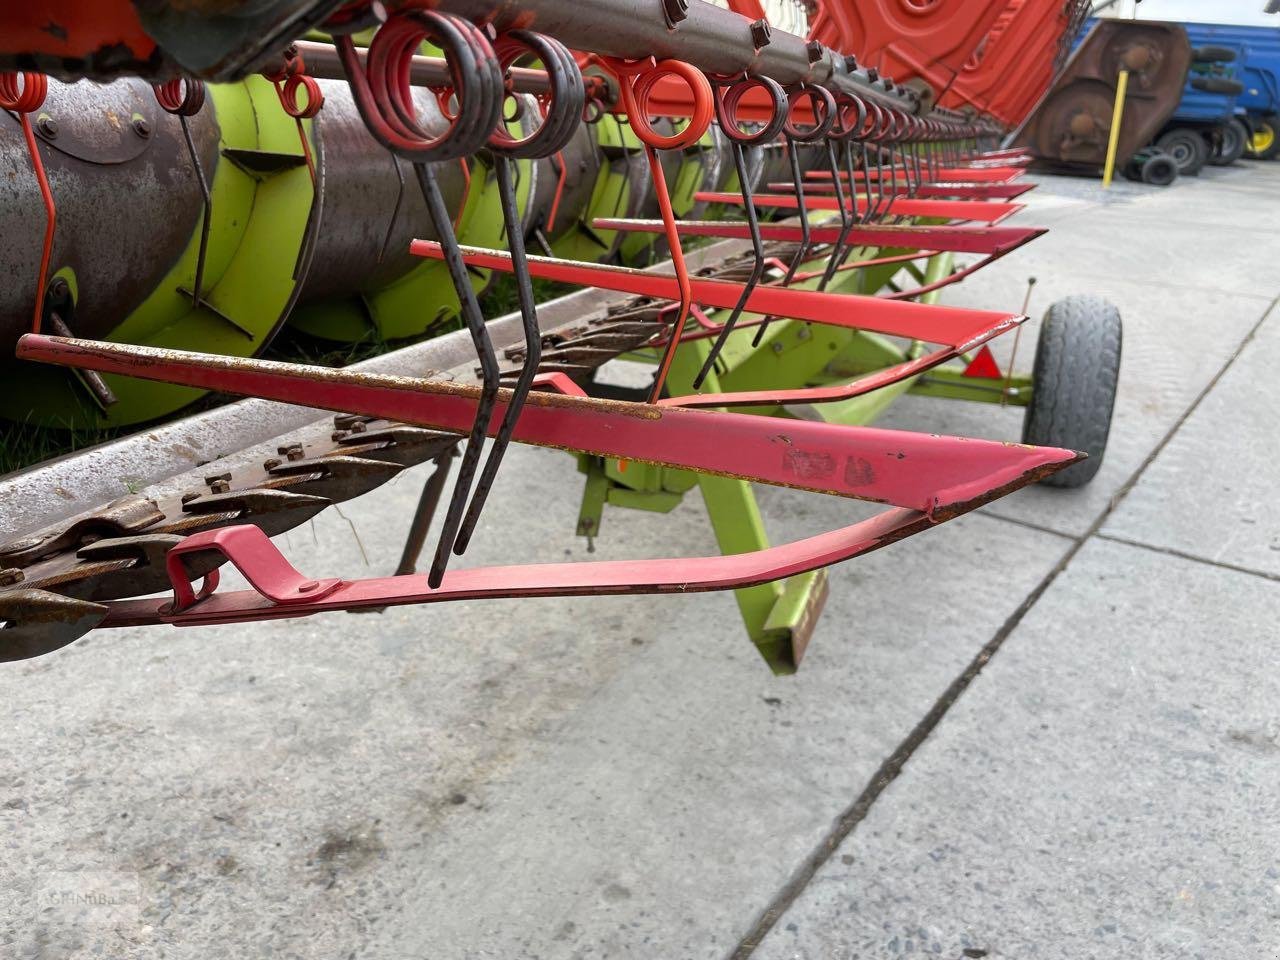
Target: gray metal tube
{"points": [[712, 38]]}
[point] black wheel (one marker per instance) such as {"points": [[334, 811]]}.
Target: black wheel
{"points": [[1232, 88], [1159, 169], [1230, 143], [1132, 168], [1074, 383], [1211, 54], [1187, 147], [1264, 142]]}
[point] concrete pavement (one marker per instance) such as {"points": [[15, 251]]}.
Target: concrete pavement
{"points": [[1047, 729]]}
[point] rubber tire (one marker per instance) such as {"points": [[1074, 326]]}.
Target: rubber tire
{"points": [[1132, 168], [1187, 148], [1271, 122], [1074, 381], [1159, 169], [1225, 85], [1211, 54], [1231, 141]]}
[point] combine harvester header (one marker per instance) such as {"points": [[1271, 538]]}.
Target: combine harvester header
{"points": [[763, 205]]}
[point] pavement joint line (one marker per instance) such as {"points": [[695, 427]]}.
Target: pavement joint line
{"points": [[1194, 558], [1019, 522], [894, 764]]}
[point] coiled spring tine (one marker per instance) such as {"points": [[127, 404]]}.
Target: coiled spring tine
{"points": [[563, 110], [384, 98], [183, 97], [848, 216], [489, 374], [823, 121], [637, 80], [726, 105], [24, 93]]}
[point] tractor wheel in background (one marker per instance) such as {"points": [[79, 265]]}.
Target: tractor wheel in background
{"points": [[1211, 54], [1229, 144], [1187, 147], [1264, 143], [1159, 169], [1074, 383]]}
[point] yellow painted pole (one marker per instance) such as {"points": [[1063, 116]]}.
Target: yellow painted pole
{"points": [[1116, 114]]}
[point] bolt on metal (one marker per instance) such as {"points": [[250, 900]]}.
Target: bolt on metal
{"points": [[761, 33], [675, 11]]}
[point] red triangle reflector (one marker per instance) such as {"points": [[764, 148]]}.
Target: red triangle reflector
{"points": [[983, 365]]}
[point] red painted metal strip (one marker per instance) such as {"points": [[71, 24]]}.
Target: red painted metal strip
{"points": [[1013, 153], [942, 174], [988, 161], [976, 191], [934, 323], [970, 210], [602, 578], [947, 238], [939, 191], [931, 474], [835, 392]]}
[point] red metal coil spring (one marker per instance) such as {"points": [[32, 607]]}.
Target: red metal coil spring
{"points": [[24, 93]]}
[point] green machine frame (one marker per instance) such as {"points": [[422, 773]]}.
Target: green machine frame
{"points": [[780, 616]]}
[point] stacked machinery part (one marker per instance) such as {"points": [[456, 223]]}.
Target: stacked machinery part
{"points": [[1071, 125], [905, 39], [1016, 62]]}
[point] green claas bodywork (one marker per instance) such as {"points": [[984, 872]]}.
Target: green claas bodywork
{"points": [[260, 219], [422, 301], [778, 616]]}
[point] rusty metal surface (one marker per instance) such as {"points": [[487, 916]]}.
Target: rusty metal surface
{"points": [[170, 459], [1070, 127], [36, 622], [924, 472], [558, 199], [713, 38], [108, 180], [932, 478], [323, 63], [370, 213]]}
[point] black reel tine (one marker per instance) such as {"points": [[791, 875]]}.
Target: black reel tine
{"points": [[489, 375], [797, 258], [757, 268], [560, 123], [738, 141]]}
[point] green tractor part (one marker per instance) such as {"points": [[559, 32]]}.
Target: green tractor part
{"points": [[779, 617], [126, 254]]}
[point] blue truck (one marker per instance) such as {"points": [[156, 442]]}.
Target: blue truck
{"points": [[1258, 71], [1231, 103]]}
